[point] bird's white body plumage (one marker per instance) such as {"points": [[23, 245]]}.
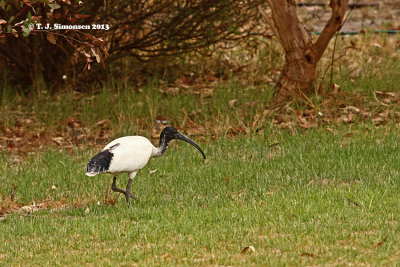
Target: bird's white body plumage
{"points": [[130, 154]]}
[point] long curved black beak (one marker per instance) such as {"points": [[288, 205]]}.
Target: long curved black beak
{"points": [[190, 141]]}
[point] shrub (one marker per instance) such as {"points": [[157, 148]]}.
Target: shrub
{"points": [[142, 29]]}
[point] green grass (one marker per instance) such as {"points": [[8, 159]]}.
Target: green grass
{"points": [[294, 202], [317, 197], [132, 111]]}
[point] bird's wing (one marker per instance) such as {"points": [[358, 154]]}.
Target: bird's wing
{"points": [[100, 162]]}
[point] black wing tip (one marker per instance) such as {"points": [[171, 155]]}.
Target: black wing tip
{"points": [[100, 162]]}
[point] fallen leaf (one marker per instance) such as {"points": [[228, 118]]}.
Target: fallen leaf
{"points": [[349, 109], [194, 129], [102, 122], [31, 208], [306, 254], [235, 130], [306, 124], [381, 242], [207, 92], [58, 140], [184, 79], [381, 117], [73, 123], [385, 98], [376, 45], [248, 249], [349, 118], [232, 102], [181, 83], [170, 90], [212, 78]]}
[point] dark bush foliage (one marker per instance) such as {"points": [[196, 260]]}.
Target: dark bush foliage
{"points": [[142, 29]]}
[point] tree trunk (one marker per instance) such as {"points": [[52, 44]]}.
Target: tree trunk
{"points": [[301, 54], [297, 76]]}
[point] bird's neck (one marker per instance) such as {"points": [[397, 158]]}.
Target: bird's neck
{"points": [[158, 151]]}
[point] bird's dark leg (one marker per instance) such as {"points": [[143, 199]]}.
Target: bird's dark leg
{"points": [[115, 188], [127, 193]]}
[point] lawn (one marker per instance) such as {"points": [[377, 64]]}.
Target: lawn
{"points": [[320, 197], [315, 183]]}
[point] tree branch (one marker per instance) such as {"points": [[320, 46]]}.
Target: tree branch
{"points": [[332, 26]]}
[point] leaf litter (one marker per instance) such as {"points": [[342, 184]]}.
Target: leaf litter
{"points": [[337, 107], [29, 135]]}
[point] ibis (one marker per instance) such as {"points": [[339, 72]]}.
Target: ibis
{"points": [[129, 154]]}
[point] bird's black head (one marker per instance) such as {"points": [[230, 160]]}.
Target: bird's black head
{"points": [[169, 133]]}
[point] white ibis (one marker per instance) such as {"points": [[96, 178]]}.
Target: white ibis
{"points": [[130, 154]]}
